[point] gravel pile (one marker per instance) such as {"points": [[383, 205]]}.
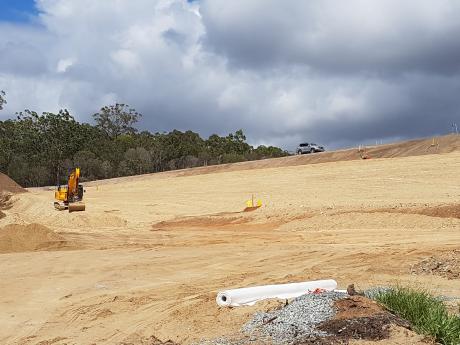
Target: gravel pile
{"points": [[373, 292], [296, 321]]}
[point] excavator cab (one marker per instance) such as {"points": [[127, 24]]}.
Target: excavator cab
{"points": [[70, 196]]}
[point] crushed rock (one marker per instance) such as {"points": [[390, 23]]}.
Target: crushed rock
{"points": [[446, 265], [296, 320]]}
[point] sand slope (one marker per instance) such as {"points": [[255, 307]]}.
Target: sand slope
{"points": [[151, 252], [33, 237], [418, 147], [7, 185]]}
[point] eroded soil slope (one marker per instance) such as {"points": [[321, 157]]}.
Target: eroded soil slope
{"points": [[150, 253]]}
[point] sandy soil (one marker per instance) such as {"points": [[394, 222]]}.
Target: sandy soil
{"points": [[150, 253], [9, 186]]}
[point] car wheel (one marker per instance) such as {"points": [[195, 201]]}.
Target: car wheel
{"points": [[299, 152]]}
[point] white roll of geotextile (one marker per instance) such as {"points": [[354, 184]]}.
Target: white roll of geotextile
{"points": [[251, 295]]}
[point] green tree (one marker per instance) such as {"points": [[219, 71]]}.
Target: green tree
{"points": [[216, 147], [236, 143], [2, 99], [50, 138], [38, 150], [262, 152], [117, 119], [8, 136], [138, 160], [124, 169], [233, 144], [90, 165], [232, 158], [107, 170]]}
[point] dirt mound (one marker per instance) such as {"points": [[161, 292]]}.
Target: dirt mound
{"points": [[437, 211], [7, 185], [376, 327], [442, 211], [34, 237], [447, 211], [446, 265], [356, 318], [360, 318], [356, 306], [201, 222], [5, 201]]}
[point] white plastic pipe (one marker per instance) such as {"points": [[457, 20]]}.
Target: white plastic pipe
{"points": [[251, 295]]}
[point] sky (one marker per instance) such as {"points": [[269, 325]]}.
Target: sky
{"points": [[339, 73], [17, 10]]}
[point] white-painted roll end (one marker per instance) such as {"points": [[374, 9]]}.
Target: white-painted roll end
{"points": [[223, 300]]}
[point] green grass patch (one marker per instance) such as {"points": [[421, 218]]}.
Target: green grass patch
{"points": [[427, 314]]}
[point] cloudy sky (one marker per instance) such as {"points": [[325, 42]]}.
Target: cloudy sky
{"points": [[335, 72]]}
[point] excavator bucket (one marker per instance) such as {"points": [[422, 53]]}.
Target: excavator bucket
{"points": [[76, 207]]}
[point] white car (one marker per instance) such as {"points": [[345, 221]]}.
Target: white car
{"points": [[309, 148]]}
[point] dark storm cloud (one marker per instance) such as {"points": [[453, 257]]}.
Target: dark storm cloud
{"points": [[333, 72], [396, 66], [332, 36]]}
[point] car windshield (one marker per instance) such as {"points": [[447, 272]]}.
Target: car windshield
{"points": [[302, 145]]}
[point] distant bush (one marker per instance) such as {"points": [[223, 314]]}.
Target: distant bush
{"points": [[39, 150]]}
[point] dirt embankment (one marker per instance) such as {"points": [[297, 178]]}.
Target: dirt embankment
{"points": [[33, 237], [7, 188], [7, 185], [419, 147], [437, 211]]}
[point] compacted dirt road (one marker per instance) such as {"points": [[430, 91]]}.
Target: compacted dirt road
{"points": [[150, 253]]}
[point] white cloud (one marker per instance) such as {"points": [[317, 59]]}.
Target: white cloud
{"points": [[64, 64], [285, 71]]}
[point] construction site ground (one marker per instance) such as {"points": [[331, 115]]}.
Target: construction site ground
{"points": [[150, 252]]}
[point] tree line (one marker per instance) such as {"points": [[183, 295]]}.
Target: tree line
{"points": [[41, 149]]}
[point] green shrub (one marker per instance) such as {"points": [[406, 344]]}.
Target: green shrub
{"points": [[427, 314]]}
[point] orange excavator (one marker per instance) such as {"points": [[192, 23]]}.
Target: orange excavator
{"points": [[70, 196]]}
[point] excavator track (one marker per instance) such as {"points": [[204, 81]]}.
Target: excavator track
{"points": [[60, 206]]}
